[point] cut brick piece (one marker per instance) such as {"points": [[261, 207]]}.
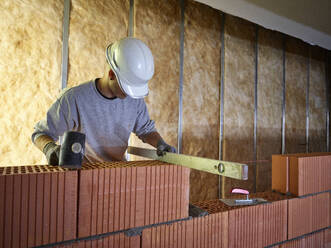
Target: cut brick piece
{"points": [[308, 214], [29, 211], [280, 173], [125, 195]]}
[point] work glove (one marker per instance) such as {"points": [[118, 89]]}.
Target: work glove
{"points": [[163, 147], [52, 153]]}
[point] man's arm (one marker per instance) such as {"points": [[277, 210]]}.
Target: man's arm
{"points": [[51, 150], [151, 138], [155, 139], [42, 141]]}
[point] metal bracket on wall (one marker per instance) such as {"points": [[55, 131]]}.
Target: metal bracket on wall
{"points": [[65, 38], [218, 167]]}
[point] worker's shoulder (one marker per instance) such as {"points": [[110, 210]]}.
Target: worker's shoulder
{"points": [[76, 90]]}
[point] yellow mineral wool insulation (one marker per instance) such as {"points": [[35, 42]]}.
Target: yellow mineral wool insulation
{"points": [[270, 99], [201, 98], [239, 97], [296, 84], [30, 68], [317, 101], [157, 23], [93, 25]]}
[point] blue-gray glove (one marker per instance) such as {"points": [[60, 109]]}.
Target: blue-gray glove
{"points": [[52, 153], [163, 147]]}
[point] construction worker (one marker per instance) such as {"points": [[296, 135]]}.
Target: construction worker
{"points": [[106, 109]]}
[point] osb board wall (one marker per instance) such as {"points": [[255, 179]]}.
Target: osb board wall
{"points": [[317, 101], [296, 67], [30, 59], [201, 98], [239, 66], [269, 108], [93, 25], [157, 23]]}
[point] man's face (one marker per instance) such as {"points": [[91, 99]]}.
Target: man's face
{"points": [[115, 87]]}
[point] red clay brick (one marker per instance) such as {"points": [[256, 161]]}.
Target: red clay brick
{"points": [[100, 195], [153, 195], [85, 201], [16, 211], [53, 207], [9, 193], [2, 208], [148, 196], [39, 209], [112, 201], [166, 194], [140, 196], [123, 191], [133, 196], [70, 201], [24, 211], [244, 228], [178, 234], [327, 238], [32, 209], [308, 214], [30, 219], [60, 208], [117, 199], [162, 194], [94, 196], [251, 226], [127, 209], [312, 240], [280, 173], [209, 231], [274, 226], [170, 206], [299, 217], [8, 223], [105, 218], [185, 190], [301, 174], [46, 208], [320, 211], [157, 218]]}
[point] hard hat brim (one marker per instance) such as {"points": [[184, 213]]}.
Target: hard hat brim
{"points": [[132, 91]]}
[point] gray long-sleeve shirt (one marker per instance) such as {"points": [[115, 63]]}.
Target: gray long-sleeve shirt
{"points": [[107, 123]]}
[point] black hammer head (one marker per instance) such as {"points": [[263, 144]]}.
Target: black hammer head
{"points": [[72, 150]]}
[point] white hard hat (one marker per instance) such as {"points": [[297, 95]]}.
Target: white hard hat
{"points": [[133, 64]]}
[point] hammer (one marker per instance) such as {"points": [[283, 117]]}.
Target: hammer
{"points": [[72, 150]]}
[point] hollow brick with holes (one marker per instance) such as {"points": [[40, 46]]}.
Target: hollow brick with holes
{"points": [[115, 196], [35, 207]]}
